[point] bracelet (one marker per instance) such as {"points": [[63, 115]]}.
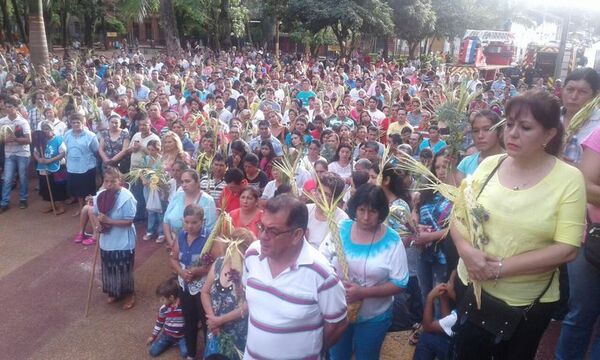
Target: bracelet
{"points": [[499, 272]]}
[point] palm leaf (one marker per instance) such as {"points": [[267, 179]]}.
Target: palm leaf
{"points": [[5, 131], [453, 113], [288, 166], [223, 227], [581, 118]]}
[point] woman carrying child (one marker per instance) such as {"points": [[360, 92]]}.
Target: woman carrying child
{"points": [[223, 300]]}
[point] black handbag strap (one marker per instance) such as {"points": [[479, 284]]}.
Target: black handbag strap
{"points": [[536, 301], [489, 177]]}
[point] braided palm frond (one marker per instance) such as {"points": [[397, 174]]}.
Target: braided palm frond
{"points": [[581, 118]]}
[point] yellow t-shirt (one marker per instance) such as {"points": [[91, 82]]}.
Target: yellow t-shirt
{"points": [[524, 220], [396, 128]]}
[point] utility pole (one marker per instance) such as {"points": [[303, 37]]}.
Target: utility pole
{"points": [[560, 60]]}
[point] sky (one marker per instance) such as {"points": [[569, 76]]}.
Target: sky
{"points": [[589, 5]]}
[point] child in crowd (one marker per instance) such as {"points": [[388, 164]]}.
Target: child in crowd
{"points": [[434, 342], [85, 218], [267, 154], [154, 197], [223, 299], [170, 321]]}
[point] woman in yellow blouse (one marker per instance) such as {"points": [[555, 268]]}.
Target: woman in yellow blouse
{"points": [[536, 208]]}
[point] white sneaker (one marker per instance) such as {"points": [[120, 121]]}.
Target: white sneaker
{"points": [[148, 236], [160, 239]]}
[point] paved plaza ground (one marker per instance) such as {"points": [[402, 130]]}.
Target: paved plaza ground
{"points": [[43, 285]]}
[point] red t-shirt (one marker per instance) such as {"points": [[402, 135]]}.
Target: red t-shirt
{"points": [[159, 124], [383, 128], [316, 134], [230, 200], [121, 111], [235, 220]]}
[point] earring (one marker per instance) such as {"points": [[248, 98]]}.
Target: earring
{"points": [[544, 146]]}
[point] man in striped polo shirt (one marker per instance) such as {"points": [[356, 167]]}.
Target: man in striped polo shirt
{"points": [[296, 303]]}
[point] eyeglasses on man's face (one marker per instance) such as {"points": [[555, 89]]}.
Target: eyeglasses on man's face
{"points": [[271, 232]]}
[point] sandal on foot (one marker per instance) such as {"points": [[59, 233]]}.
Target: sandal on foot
{"points": [[130, 303], [89, 241], [79, 238]]}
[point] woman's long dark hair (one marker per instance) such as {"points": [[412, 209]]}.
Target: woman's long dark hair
{"points": [[396, 185], [428, 195], [237, 107], [337, 152], [268, 144]]}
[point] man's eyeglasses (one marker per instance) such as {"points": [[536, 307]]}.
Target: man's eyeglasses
{"points": [[270, 232]]}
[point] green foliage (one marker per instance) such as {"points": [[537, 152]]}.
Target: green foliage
{"points": [[137, 10], [114, 24], [347, 19], [239, 17], [454, 17], [414, 19]]}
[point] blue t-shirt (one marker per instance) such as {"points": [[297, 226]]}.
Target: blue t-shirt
{"points": [[469, 164], [174, 213], [436, 148], [304, 96]]}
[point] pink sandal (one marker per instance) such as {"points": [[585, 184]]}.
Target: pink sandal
{"points": [[89, 241], [81, 237]]}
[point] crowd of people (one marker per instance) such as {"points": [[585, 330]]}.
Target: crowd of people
{"points": [[303, 159]]}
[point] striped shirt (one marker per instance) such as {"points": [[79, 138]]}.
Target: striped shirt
{"points": [[170, 320], [287, 313], [214, 188]]}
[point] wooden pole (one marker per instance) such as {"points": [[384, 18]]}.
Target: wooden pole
{"points": [[47, 176], [89, 294]]}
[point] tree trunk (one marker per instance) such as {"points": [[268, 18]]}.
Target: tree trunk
{"points": [[413, 46], [6, 22], [248, 31], [169, 25], [38, 46], [20, 25], [88, 29], [353, 45], [26, 17], [225, 24], [216, 33], [386, 47], [314, 49], [430, 45], [340, 35], [49, 28], [179, 15], [64, 18], [277, 35]]}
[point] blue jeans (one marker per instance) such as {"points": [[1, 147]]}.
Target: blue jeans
{"points": [[364, 340], [137, 189], [430, 273], [155, 220], [12, 164], [432, 346], [164, 341], [584, 310]]}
